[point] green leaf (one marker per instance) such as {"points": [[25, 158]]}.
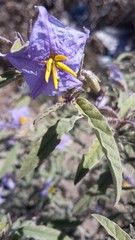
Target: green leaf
{"points": [[43, 233], [64, 223], [4, 228], [89, 160], [105, 136], [112, 228], [50, 140], [82, 204], [54, 134], [129, 104], [30, 162], [8, 163], [86, 201], [3, 225], [8, 77]]}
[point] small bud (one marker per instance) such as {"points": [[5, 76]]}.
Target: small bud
{"points": [[90, 80]]}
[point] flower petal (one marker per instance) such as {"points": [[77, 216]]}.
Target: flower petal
{"points": [[68, 82], [63, 40], [50, 38]]}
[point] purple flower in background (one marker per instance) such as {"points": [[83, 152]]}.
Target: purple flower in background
{"points": [[52, 58], [64, 141], [46, 188], [128, 181], [19, 116], [116, 77], [8, 182]]}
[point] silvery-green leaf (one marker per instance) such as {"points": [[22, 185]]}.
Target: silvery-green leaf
{"points": [[105, 136], [8, 163], [86, 201], [30, 162], [89, 160], [112, 228], [42, 232], [48, 143], [129, 104]]}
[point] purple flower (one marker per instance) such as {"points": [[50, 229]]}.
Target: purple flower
{"points": [[116, 77], [128, 181], [52, 58], [64, 141], [46, 188], [8, 182], [19, 116]]}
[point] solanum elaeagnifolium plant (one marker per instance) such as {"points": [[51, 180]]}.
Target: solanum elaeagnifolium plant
{"points": [[51, 64]]}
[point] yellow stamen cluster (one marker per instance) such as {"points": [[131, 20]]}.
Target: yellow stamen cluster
{"points": [[23, 120], [51, 67]]}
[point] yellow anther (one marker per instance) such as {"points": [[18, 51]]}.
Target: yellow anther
{"points": [[61, 99], [54, 76], [51, 68], [126, 184], [52, 190], [23, 120], [48, 69], [60, 58], [64, 67]]}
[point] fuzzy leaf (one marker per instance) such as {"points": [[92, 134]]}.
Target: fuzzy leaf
{"points": [[89, 160], [8, 163], [112, 228], [43, 233], [48, 143], [82, 204], [127, 105], [30, 162], [106, 139], [86, 201]]}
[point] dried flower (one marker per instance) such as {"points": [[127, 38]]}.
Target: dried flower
{"points": [[52, 58]]}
